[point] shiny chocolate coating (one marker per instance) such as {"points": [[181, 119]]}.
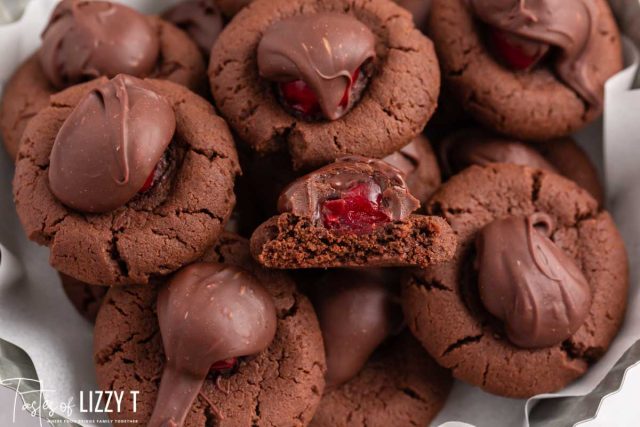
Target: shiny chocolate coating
{"points": [[529, 283], [324, 50], [110, 144], [201, 19], [357, 310], [415, 161], [569, 25], [88, 39], [207, 313], [478, 147], [304, 196]]}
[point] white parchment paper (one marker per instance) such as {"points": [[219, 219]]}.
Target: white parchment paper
{"points": [[35, 314]]}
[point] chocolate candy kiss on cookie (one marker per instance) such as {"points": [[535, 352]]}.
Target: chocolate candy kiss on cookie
{"points": [[87, 39], [107, 150], [354, 194], [316, 61], [209, 314], [357, 311], [525, 29], [529, 283]]}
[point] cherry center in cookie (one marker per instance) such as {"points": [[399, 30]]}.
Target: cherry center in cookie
{"points": [[210, 315], [358, 209], [352, 195], [316, 63], [112, 146], [516, 52], [522, 33]]}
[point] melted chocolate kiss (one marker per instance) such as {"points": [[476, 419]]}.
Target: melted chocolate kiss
{"points": [[89, 39], [354, 194], [357, 311], [109, 145], [317, 59], [570, 25], [201, 19], [208, 313], [529, 283]]}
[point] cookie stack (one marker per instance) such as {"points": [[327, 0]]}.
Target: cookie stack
{"points": [[275, 241]]}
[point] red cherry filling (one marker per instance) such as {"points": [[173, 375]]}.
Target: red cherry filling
{"points": [[224, 365], [149, 182], [517, 52], [358, 209], [299, 96]]}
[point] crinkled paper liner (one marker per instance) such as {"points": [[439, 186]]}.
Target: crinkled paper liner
{"points": [[36, 316]]}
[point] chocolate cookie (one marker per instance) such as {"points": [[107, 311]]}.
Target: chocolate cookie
{"points": [[532, 71], [87, 299], [279, 386], [380, 83], [120, 219], [537, 289], [476, 146], [354, 212], [399, 386], [158, 49]]}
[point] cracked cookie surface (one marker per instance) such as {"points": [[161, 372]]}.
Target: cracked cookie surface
{"points": [[533, 105], [281, 386], [442, 306], [401, 95], [28, 91], [399, 386], [153, 234]]}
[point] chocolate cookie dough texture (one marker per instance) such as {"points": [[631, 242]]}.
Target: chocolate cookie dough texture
{"points": [[537, 288], [475, 146], [355, 212], [88, 39], [532, 70], [369, 360], [367, 84], [224, 342], [149, 195]]}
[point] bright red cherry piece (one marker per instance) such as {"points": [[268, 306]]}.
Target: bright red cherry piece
{"points": [[517, 52], [299, 96], [224, 365], [358, 210]]}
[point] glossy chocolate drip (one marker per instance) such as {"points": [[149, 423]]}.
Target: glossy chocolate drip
{"points": [[570, 25], [304, 197], [207, 313], [477, 147], [89, 39], [201, 19], [357, 310], [324, 50], [110, 144], [529, 283]]}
